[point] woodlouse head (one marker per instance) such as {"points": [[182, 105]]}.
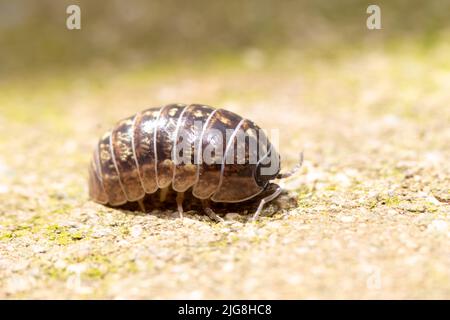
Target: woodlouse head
{"points": [[268, 168]]}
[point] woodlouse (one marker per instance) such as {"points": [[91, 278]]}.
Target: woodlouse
{"points": [[141, 155]]}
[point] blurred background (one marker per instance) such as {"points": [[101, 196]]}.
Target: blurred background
{"points": [[123, 33], [252, 55], [369, 108]]}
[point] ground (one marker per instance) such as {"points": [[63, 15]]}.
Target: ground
{"points": [[367, 216]]}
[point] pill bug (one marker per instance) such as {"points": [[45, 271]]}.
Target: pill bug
{"points": [[141, 155]]}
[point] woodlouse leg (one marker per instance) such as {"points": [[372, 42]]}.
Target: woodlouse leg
{"points": [[163, 194], [141, 204], [264, 201], [210, 212], [180, 198]]}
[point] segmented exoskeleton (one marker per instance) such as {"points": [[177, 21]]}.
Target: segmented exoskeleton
{"points": [[143, 154]]}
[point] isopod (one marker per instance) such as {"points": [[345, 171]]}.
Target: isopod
{"points": [[214, 153]]}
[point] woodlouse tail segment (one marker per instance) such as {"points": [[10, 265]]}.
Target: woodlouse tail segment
{"points": [[110, 177], [293, 171], [96, 191], [124, 160]]}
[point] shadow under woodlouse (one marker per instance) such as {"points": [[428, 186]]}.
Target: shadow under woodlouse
{"points": [[244, 209]]}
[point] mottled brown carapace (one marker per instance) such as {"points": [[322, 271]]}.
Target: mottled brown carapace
{"points": [[141, 155]]}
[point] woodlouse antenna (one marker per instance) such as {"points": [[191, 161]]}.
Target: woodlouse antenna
{"points": [[293, 171]]}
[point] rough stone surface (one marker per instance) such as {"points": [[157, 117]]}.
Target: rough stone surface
{"points": [[367, 216]]}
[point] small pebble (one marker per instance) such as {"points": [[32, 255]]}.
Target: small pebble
{"points": [[136, 231], [431, 199], [232, 216], [347, 219], [439, 226], [38, 249], [4, 189], [60, 264]]}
